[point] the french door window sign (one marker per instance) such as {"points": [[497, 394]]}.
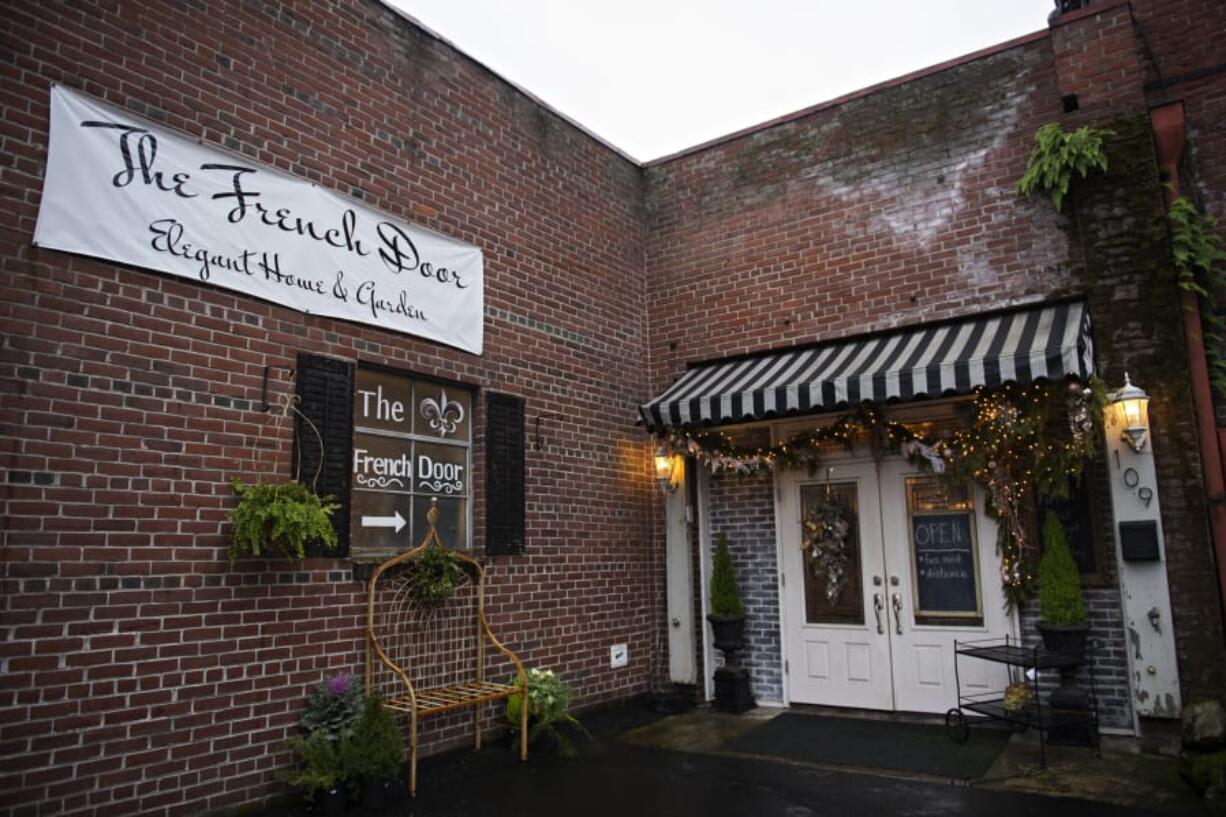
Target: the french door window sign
{"points": [[125, 189], [411, 444]]}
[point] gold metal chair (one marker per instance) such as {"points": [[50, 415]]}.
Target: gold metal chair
{"points": [[430, 660]]}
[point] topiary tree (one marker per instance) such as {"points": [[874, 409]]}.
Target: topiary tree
{"points": [[725, 597], [1059, 582]]}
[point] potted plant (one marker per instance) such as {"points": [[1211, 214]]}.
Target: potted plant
{"points": [[727, 619], [548, 702], [1062, 614], [328, 720], [436, 574], [372, 756], [281, 518]]}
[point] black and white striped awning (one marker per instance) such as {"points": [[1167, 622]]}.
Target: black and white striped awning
{"points": [[952, 357]]}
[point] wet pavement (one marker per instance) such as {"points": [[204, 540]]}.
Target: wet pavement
{"points": [[641, 763]]}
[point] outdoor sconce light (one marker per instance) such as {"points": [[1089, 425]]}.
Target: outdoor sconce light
{"points": [[1132, 405], [664, 470]]}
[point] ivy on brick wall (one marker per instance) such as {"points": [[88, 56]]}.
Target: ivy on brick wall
{"points": [[1197, 251], [1057, 156]]}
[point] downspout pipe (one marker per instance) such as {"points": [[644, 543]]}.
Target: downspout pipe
{"points": [[1167, 122]]}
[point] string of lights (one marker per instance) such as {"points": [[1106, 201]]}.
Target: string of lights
{"points": [[1021, 443]]}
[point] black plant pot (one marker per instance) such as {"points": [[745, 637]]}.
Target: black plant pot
{"points": [[374, 794], [729, 635], [1067, 640], [333, 803], [1068, 643], [732, 693]]}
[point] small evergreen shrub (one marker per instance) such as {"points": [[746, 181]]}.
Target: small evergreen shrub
{"points": [[280, 518], [318, 767], [1059, 582], [1057, 156], [376, 749], [725, 597]]}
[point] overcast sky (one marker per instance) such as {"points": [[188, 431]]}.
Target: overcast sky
{"points": [[655, 76]]}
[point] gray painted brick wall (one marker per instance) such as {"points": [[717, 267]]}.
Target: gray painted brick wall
{"points": [[1110, 661], [744, 509]]}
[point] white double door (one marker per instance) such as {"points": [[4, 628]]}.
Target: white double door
{"points": [[917, 570]]}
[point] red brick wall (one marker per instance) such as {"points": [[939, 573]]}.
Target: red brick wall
{"points": [[891, 208], [140, 673]]}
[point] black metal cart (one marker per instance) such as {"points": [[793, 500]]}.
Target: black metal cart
{"points": [[1033, 713]]}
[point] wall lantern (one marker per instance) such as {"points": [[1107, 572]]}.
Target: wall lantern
{"points": [[1132, 409], [665, 465]]}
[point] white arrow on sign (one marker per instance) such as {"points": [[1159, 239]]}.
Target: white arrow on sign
{"points": [[396, 521]]}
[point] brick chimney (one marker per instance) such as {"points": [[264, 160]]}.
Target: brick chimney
{"points": [[1097, 66]]}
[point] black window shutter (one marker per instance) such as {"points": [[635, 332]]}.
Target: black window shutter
{"points": [[325, 397], [504, 474]]}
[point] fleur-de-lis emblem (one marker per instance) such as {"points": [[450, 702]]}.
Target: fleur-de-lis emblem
{"points": [[444, 415]]}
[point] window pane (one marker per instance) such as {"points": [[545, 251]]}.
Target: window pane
{"points": [[383, 401], [440, 469], [442, 411], [452, 524], [944, 555], [830, 530]]}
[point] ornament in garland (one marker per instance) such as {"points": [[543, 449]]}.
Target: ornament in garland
{"points": [[827, 528]]}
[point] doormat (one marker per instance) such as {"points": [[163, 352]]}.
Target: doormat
{"points": [[906, 747]]}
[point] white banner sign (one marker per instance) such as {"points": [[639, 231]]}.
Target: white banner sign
{"points": [[121, 188]]}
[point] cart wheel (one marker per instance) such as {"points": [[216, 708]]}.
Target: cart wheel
{"points": [[957, 727]]}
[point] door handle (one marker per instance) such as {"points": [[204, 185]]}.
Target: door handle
{"points": [[896, 603], [878, 606]]}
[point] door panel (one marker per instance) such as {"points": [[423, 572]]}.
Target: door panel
{"points": [[920, 572], [837, 656], [940, 547]]}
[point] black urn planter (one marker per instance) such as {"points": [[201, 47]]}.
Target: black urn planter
{"points": [[333, 802], [1067, 642], [729, 634], [374, 794], [732, 692]]}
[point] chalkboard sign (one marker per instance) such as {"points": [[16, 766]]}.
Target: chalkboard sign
{"points": [[945, 562]]}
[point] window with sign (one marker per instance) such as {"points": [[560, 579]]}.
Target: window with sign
{"points": [[412, 444], [941, 519]]}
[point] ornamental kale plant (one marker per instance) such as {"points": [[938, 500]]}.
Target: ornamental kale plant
{"points": [[333, 708]]}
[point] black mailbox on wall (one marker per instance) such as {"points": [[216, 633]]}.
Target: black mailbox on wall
{"points": [[1139, 541]]}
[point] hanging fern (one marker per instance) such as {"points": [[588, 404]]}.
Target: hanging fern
{"points": [[281, 518], [1196, 248], [1058, 155]]}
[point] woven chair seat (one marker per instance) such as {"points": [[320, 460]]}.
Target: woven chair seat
{"points": [[456, 696]]}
